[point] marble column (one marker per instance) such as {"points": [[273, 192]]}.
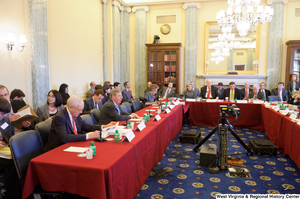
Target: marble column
{"points": [[250, 59], [140, 49], [116, 40], [191, 41], [230, 60], [275, 44], [104, 39], [124, 50], [38, 27]]}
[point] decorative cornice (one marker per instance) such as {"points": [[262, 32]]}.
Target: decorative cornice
{"points": [[136, 8], [127, 9], [270, 2], [118, 5], [104, 1], [192, 4]]}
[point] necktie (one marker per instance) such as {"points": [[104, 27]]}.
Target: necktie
{"points": [[96, 105], [118, 109], [231, 95], [130, 95], [279, 93], [219, 92], [167, 93], [246, 93], [208, 94], [74, 127]]}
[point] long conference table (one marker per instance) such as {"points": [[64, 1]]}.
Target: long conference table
{"points": [[120, 169]]}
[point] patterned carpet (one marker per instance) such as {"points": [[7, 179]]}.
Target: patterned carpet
{"points": [[178, 174]]}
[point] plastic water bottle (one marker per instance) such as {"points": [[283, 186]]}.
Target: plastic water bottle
{"points": [[201, 99], [93, 147], [235, 100], [159, 110], [183, 98], [89, 153], [117, 136], [148, 117], [128, 125]]}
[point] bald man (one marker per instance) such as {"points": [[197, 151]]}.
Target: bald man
{"points": [[90, 92]]}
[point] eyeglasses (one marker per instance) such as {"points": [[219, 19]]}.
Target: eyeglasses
{"points": [[51, 96], [4, 95], [79, 110]]}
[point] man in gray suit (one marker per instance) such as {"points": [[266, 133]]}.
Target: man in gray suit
{"points": [[93, 102], [90, 92], [167, 92], [196, 90], [111, 110], [281, 92], [255, 94], [126, 93]]}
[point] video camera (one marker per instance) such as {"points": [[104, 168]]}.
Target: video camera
{"points": [[230, 110]]}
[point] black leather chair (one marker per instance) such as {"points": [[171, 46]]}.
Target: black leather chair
{"points": [[95, 113], [88, 119], [43, 129], [273, 98], [135, 105], [128, 107], [143, 100], [25, 146], [123, 107]]}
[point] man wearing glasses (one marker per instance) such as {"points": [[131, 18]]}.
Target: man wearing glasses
{"points": [[68, 127]]}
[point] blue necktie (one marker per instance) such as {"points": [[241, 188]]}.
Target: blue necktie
{"points": [[118, 109]]}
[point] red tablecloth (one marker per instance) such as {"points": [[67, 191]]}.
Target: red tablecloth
{"points": [[119, 169]]}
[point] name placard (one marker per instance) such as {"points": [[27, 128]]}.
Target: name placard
{"points": [[171, 106], [129, 136], [293, 116], [283, 112], [167, 111], [157, 118], [140, 126]]}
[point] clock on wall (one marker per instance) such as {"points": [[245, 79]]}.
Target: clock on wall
{"points": [[165, 29]]}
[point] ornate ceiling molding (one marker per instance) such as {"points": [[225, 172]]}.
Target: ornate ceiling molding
{"points": [[192, 4], [104, 1], [127, 9], [270, 2], [136, 8], [118, 5]]}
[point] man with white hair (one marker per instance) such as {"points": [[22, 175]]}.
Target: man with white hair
{"points": [[209, 91], [68, 127], [255, 94]]}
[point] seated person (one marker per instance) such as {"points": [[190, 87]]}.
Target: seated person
{"points": [[111, 110], [220, 90], [106, 90], [255, 94], [150, 96], [293, 85], [117, 85], [266, 92], [196, 90], [209, 91], [246, 90], [51, 108], [156, 96], [17, 94], [64, 91], [7, 166], [281, 92], [93, 102], [167, 92], [99, 86], [189, 93], [67, 125], [296, 98], [232, 93], [90, 92], [126, 93]]}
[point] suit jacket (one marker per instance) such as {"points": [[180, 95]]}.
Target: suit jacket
{"points": [[149, 97], [156, 96], [89, 104], [163, 91], [213, 91], [290, 88], [126, 96], [9, 131], [284, 94], [189, 94], [43, 112], [89, 93], [260, 96], [244, 92], [197, 92], [221, 94], [268, 93], [61, 130], [237, 93], [105, 98], [109, 113]]}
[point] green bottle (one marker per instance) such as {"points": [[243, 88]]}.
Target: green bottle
{"points": [[117, 136], [148, 117], [235, 100], [201, 99], [128, 125], [93, 147], [183, 98]]}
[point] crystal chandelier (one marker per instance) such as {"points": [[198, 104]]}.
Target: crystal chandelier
{"points": [[241, 13]]}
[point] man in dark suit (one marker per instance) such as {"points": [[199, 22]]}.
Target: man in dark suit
{"points": [[7, 167], [246, 91], [68, 127], [111, 110], [196, 90], [93, 102], [209, 91], [90, 92], [167, 92], [117, 85], [281, 92], [256, 95], [126, 93], [232, 93], [263, 89], [220, 90]]}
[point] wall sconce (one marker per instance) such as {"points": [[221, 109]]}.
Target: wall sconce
{"points": [[206, 67], [256, 62], [10, 42]]}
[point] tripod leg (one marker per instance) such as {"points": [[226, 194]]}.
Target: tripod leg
{"points": [[240, 141], [205, 139]]}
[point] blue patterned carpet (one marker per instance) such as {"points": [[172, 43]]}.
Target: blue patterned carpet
{"points": [[178, 174]]}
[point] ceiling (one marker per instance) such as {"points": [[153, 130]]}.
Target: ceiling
{"points": [[149, 2]]}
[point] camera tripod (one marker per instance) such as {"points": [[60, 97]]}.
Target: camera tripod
{"points": [[223, 144]]}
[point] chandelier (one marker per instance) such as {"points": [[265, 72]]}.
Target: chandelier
{"points": [[241, 13]]}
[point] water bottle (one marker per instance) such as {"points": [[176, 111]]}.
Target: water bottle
{"points": [[201, 99], [235, 100], [159, 110], [183, 98], [89, 153], [148, 117], [128, 125], [117, 136], [93, 147]]}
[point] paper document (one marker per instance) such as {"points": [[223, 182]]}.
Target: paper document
{"points": [[5, 153], [137, 120], [76, 149]]}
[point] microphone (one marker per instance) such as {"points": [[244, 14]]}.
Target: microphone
{"points": [[150, 113]]}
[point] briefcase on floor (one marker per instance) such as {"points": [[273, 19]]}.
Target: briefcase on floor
{"points": [[190, 136], [262, 147]]}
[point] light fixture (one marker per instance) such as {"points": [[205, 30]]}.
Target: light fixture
{"points": [[10, 42]]}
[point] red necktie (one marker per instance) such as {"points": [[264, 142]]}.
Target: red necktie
{"points": [[74, 127], [246, 93], [208, 94], [129, 94]]}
